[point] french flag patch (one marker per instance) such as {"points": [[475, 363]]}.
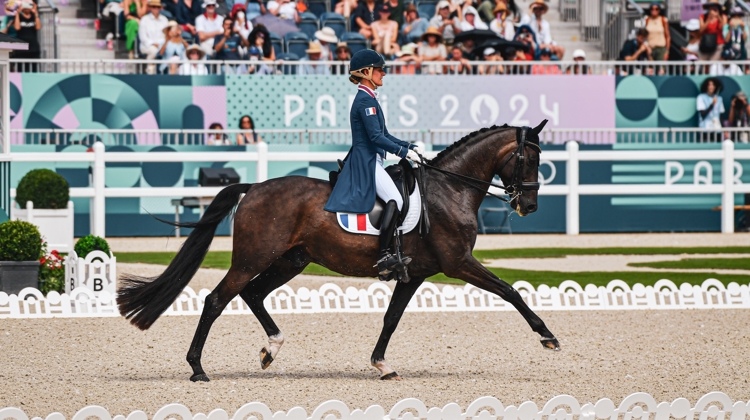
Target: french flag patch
{"points": [[353, 222], [370, 111]]}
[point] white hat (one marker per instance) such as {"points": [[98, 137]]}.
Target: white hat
{"points": [[579, 53], [488, 51], [693, 25], [208, 3], [326, 34], [442, 4]]}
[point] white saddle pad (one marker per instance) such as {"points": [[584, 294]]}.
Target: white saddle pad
{"points": [[360, 223]]}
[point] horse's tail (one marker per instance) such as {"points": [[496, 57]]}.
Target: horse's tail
{"points": [[144, 299]]}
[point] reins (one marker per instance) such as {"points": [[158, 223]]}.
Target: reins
{"points": [[516, 187]]}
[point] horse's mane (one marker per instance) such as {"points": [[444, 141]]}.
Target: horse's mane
{"points": [[458, 144]]}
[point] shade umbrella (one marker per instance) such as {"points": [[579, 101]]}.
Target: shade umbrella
{"points": [[275, 24], [478, 35], [500, 45]]}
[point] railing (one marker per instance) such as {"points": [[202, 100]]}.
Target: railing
{"points": [[674, 10], [301, 136], [5, 202], [48, 40], [569, 10], [572, 189], [589, 18], [618, 19], [616, 32]]}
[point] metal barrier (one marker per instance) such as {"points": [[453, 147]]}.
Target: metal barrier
{"points": [[746, 8], [618, 19], [589, 12], [343, 136], [674, 10], [568, 10], [48, 40], [571, 156]]}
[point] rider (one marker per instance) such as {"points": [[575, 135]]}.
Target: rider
{"points": [[363, 176]]}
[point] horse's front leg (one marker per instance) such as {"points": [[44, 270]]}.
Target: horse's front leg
{"points": [[473, 272], [400, 299]]}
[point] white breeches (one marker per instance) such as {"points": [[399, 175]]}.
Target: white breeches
{"points": [[384, 186]]}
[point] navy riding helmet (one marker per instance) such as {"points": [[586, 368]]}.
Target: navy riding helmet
{"points": [[366, 58]]}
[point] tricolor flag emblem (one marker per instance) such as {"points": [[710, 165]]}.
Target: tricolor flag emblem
{"points": [[352, 221], [370, 111]]}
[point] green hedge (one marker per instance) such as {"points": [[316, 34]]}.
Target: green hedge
{"points": [[90, 243], [46, 189], [19, 241]]}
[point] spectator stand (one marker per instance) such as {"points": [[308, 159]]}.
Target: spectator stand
{"points": [[568, 10], [296, 43], [354, 40], [318, 7], [334, 21], [308, 24], [426, 8], [48, 39], [286, 68], [277, 43], [617, 25]]}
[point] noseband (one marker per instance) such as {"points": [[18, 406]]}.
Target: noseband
{"points": [[517, 185]]}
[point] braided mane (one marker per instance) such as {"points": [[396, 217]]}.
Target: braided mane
{"points": [[460, 143]]}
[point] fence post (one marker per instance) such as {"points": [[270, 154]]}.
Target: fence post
{"points": [[572, 200], [727, 180], [261, 167], [99, 199]]}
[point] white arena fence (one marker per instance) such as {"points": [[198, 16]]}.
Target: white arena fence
{"points": [[731, 171], [478, 68], [714, 405], [185, 137], [330, 298]]}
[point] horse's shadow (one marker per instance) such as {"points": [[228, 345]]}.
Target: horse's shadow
{"points": [[330, 374]]}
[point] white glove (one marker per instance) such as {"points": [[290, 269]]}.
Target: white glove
{"points": [[413, 156], [418, 150]]}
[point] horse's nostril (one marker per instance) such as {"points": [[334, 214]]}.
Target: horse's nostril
{"points": [[531, 208]]}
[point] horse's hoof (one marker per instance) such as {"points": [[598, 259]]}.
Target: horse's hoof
{"points": [[550, 344], [265, 358], [393, 376], [200, 377]]}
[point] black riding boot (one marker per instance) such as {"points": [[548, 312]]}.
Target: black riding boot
{"points": [[389, 262]]}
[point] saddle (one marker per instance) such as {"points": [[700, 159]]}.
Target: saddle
{"points": [[403, 177]]}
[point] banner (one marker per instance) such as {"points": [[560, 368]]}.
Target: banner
{"points": [[427, 102]]}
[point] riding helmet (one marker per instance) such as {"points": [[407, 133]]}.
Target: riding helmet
{"points": [[363, 59]]}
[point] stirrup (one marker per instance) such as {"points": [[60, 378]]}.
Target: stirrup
{"points": [[388, 263]]}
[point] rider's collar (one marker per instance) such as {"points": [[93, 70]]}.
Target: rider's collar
{"points": [[368, 91]]}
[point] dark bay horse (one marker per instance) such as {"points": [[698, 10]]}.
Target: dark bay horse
{"points": [[280, 227]]}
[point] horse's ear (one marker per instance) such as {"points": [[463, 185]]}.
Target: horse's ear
{"points": [[538, 129]]}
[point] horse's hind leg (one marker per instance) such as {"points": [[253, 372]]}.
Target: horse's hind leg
{"points": [[215, 303], [283, 270]]}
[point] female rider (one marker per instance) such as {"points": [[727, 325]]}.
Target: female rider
{"points": [[363, 176]]}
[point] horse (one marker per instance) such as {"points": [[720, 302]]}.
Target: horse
{"points": [[280, 227]]}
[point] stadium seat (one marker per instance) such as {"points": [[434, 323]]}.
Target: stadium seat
{"points": [[318, 7], [334, 21], [426, 8], [290, 68], [308, 24], [297, 43], [277, 43], [354, 40]]}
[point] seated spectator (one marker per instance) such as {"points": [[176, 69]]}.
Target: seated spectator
{"points": [[397, 11], [525, 35], [208, 26], [545, 55], [636, 49], [345, 7], [284, 9], [414, 26], [514, 57], [195, 66], [227, 45], [325, 37], [739, 116], [458, 65], [726, 67], [254, 55], [260, 38], [448, 27], [254, 8], [432, 50], [712, 23], [487, 7], [385, 32], [467, 49], [344, 54], [735, 35], [27, 26], [151, 32], [692, 49], [242, 24], [579, 56], [187, 11], [218, 138], [407, 61], [494, 61], [471, 20], [173, 49], [133, 11], [658, 33], [308, 65], [501, 24], [248, 134], [710, 105], [541, 28], [365, 14]]}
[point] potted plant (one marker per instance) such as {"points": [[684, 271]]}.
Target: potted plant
{"points": [[92, 265], [20, 250], [43, 198]]}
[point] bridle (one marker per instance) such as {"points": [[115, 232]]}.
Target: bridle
{"points": [[517, 184]]}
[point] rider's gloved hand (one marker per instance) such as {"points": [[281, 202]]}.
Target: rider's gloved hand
{"points": [[413, 156], [418, 150]]}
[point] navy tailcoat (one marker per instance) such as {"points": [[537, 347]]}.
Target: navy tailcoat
{"points": [[355, 188]]}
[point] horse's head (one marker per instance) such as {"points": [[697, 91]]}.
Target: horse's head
{"points": [[518, 167]]}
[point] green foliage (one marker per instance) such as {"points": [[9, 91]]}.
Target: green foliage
{"points": [[700, 263], [19, 241], [46, 189], [90, 243], [51, 272]]}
